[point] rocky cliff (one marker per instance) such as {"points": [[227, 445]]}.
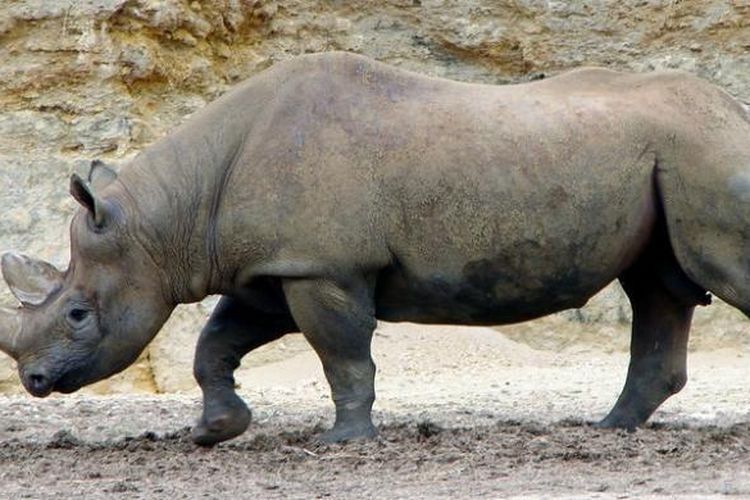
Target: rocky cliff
{"points": [[84, 79]]}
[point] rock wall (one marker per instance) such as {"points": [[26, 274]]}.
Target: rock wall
{"points": [[84, 79]]}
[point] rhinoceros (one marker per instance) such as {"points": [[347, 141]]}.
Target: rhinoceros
{"points": [[331, 191]]}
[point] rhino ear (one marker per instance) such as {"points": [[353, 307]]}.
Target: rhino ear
{"points": [[83, 192], [101, 175], [30, 280]]}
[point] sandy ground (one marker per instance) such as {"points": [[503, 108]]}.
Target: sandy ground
{"points": [[463, 412]]}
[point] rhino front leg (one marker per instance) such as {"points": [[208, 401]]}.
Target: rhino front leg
{"points": [[658, 350], [233, 330], [338, 320]]}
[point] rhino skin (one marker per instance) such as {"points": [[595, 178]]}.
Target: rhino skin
{"points": [[332, 190]]}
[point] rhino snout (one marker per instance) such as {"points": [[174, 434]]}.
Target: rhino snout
{"points": [[37, 381]]}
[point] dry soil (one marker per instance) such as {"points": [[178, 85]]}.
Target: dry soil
{"points": [[462, 413]]}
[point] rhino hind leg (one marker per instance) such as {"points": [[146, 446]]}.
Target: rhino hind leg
{"points": [[663, 299], [338, 320], [233, 330]]}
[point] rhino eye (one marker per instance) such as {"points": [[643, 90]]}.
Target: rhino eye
{"points": [[77, 316]]}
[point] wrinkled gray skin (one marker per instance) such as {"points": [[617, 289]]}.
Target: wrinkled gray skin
{"points": [[331, 191]]}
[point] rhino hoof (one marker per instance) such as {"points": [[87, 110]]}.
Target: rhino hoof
{"points": [[617, 422], [218, 428], [348, 433]]}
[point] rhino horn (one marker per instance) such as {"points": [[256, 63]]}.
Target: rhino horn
{"points": [[10, 330], [30, 280]]}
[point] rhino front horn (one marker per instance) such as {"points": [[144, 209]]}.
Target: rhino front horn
{"points": [[10, 331], [30, 280]]}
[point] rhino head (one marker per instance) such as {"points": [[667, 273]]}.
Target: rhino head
{"points": [[94, 319]]}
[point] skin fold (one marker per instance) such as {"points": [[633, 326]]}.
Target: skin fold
{"points": [[331, 191]]}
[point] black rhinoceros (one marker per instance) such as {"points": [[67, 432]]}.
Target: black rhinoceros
{"points": [[331, 191]]}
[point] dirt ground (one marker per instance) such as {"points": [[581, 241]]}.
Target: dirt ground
{"points": [[462, 413]]}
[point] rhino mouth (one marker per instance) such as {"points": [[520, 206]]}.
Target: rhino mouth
{"points": [[38, 392], [67, 384], [39, 384]]}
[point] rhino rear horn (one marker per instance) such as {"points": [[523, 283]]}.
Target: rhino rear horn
{"points": [[30, 280]]}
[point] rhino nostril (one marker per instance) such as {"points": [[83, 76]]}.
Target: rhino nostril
{"points": [[39, 383]]}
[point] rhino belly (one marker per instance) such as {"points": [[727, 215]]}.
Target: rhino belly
{"points": [[483, 293]]}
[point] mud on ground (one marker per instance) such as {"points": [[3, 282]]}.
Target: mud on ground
{"points": [[462, 413]]}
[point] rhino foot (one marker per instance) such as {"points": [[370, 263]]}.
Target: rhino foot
{"points": [[618, 422], [343, 433], [217, 426]]}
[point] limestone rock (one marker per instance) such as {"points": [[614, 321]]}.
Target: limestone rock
{"points": [[91, 79]]}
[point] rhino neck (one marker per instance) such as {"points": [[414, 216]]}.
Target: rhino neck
{"points": [[175, 188]]}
